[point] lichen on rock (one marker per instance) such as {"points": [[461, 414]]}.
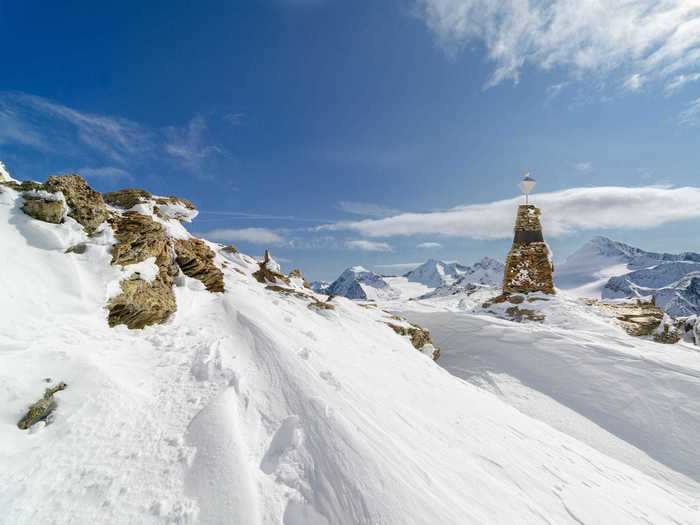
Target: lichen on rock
{"points": [[196, 260], [86, 205], [127, 198], [42, 409], [420, 338], [42, 206], [142, 303]]}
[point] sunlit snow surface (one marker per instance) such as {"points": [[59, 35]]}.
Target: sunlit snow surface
{"points": [[249, 408]]}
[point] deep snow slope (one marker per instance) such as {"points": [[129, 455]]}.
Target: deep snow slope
{"points": [[249, 408]]}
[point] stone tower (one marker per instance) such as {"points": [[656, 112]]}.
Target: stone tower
{"points": [[528, 266]]}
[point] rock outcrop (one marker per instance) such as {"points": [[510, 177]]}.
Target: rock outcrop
{"points": [[641, 319], [86, 205], [142, 303], [419, 337], [44, 206], [269, 271], [42, 409], [196, 260], [127, 198], [528, 265]]}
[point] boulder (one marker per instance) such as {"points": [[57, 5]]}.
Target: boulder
{"points": [[127, 198], [42, 409], [195, 259], [229, 248], [86, 205], [419, 337], [142, 303], [269, 271], [44, 208]]}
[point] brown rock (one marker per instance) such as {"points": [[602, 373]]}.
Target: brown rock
{"points": [[42, 409], [86, 205], [142, 303], [195, 259], [127, 198], [419, 337], [229, 249], [265, 275], [47, 210]]}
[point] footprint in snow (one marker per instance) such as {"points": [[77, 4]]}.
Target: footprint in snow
{"points": [[329, 378], [305, 353]]}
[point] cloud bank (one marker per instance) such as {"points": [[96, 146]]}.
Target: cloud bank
{"points": [[251, 235], [368, 246], [563, 212], [641, 38]]}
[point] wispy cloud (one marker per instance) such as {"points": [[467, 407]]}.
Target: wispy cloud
{"points": [[677, 83], [251, 235], [635, 37], [583, 167], [691, 115], [634, 82], [429, 245], [366, 209], [565, 211], [50, 127], [188, 146], [368, 246]]}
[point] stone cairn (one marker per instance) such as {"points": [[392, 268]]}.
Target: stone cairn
{"points": [[528, 265]]}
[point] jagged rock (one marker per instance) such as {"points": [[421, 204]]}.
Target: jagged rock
{"points": [[175, 208], [667, 334], [25, 185], [44, 208], [524, 314], [640, 319], [314, 304], [419, 337], [195, 259], [86, 205], [171, 199], [230, 248], [142, 303], [79, 248], [42, 409], [127, 198], [296, 274], [528, 265], [269, 271]]}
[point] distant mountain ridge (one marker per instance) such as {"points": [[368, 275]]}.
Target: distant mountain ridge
{"points": [[435, 273], [360, 283], [611, 270]]}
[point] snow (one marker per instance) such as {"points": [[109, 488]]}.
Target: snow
{"points": [[5, 174], [434, 273], [248, 407]]}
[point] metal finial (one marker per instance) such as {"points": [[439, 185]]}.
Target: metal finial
{"points": [[526, 185]]}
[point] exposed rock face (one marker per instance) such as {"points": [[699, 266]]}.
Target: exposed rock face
{"points": [[127, 198], [142, 303], [25, 185], [269, 271], [642, 319], [230, 248], [528, 266], [44, 209], [195, 259], [42, 409], [86, 205], [419, 337], [296, 274]]}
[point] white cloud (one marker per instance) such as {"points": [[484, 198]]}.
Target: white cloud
{"points": [[399, 266], [584, 167], [676, 83], [429, 245], [368, 246], [48, 122], [104, 172], [366, 208], [649, 37], [691, 115], [634, 82], [188, 146], [251, 235], [563, 212]]}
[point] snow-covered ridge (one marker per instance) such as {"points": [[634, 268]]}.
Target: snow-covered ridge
{"points": [[434, 273]]}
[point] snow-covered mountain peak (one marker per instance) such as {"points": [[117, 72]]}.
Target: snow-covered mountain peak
{"points": [[434, 273], [5, 173], [358, 282]]}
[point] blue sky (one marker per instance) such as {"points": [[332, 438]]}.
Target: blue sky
{"points": [[278, 117]]}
